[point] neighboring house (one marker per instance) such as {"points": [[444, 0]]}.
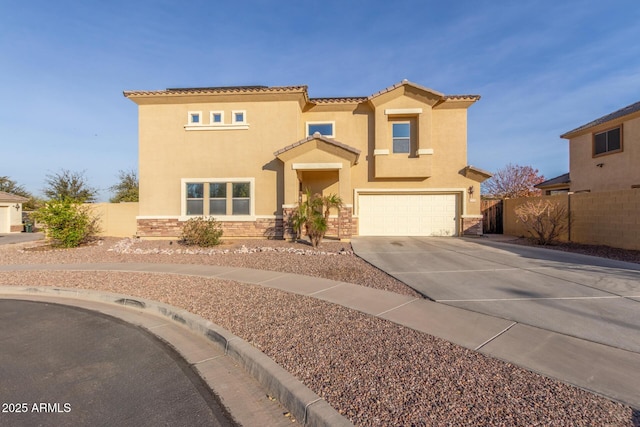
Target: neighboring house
{"points": [[604, 154], [244, 155], [558, 185], [11, 212]]}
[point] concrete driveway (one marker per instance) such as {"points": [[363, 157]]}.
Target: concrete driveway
{"points": [[10, 238], [576, 295]]}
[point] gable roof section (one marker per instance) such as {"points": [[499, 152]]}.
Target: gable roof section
{"points": [[317, 136], [12, 198], [628, 110], [438, 97]]}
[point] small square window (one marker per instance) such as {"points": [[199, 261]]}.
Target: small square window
{"points": [[217, 117], [194, 117], [239, 117]]}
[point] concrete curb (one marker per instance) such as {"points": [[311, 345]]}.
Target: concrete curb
{"points": [[306, 406]]}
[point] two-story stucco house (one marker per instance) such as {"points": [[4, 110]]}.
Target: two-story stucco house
{"points": [[244, 155], [604, 154]]}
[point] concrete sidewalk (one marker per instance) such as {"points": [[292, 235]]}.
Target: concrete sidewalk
{"points": [[601, 369]]}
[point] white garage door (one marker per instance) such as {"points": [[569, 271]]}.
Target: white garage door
{"points": [[4, 220], [407, 214]]}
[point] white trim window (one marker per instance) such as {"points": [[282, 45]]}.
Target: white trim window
{"points": [[401, 137], [326, 128], [239, 117], [194, 204], [229, 199], [216, 117], [194, 117]]}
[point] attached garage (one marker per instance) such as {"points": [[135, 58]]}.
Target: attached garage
{"points": [[407, 214]]}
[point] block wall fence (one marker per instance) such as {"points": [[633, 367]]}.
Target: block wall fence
{"points": [[610, 218]]}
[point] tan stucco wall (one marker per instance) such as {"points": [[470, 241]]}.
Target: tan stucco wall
{"points": [[169, 153], [609, 218], [116, 219], [619, 171]]}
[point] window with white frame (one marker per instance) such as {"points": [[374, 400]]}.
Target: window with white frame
{"points": [[401, 137], [323, 128], [241, 198], [195, 198], [223, 197], [238, 117], [217, 198], [194, 117], [217, 117]]}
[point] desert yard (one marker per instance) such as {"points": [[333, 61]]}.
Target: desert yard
{"points": [[371, 370]]}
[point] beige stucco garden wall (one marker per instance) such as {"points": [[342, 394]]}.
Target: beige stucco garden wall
{"points": [[609, 218], [116, 219]]}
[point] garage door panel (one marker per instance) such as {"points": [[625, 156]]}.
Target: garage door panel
{"points": [[407, 214]]}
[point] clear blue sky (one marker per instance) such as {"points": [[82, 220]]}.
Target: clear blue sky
{"points": [[542, 68]]}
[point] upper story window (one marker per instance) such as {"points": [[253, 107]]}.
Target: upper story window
{"points": [[217, 117], [197, 122], [323, 128], [609, 141], [402, 137], [195, 117], [238, 117]]}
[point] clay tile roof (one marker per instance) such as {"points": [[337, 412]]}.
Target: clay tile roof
{"points": [[344, 100], [12, 198], [322, 138], [463, 97], [217, 90], [629, 109], [402, 83]]}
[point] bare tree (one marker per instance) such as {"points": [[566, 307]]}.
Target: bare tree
{"points": [[69, 185], [544, 220], [513, 181], [127, 188]]}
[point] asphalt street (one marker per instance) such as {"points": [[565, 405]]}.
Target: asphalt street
{"points": [[66, 366]]}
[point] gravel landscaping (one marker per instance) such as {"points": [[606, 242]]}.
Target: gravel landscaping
{"points": [[373, 371]]}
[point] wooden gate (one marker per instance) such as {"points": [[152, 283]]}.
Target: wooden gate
{"points": [[492, 216]]}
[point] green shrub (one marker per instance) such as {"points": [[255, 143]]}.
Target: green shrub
{"points": [[67, 223], [204, 232]]}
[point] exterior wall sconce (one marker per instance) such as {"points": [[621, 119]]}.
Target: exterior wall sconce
{"points": [[17, 206], [471, 190], [600, 165]]}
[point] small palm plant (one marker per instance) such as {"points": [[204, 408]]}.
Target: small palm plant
{"points": [[313, 215]]}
